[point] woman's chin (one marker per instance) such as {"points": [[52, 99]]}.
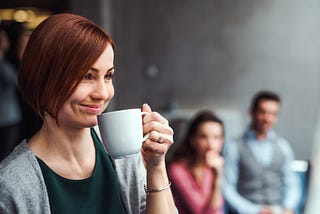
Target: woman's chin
{"points": [[92, 122]]}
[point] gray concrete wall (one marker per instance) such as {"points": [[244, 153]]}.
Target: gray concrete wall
{"points": [[217, 54]]}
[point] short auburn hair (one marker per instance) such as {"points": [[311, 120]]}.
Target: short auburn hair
{"points": [[59, 53]]}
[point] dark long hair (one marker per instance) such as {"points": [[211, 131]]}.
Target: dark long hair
{"points": [[186, 151]]}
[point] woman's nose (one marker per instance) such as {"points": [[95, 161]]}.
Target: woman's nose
{"points": [[103, 90], [211, 145]]}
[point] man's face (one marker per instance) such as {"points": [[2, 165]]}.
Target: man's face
{"points": [[265, 116]]}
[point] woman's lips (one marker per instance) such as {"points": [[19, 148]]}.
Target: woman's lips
{"points": [[94, 109]]}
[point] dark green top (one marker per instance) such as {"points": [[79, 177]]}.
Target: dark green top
{"points": [[97, 194]]}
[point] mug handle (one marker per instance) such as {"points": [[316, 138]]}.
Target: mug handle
{"points": [[147, 135]]}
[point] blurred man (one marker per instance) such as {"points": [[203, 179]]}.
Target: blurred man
{"points": [[258, 176]]}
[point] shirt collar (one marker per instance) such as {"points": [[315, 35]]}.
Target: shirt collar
{"points": [[250, 135]]}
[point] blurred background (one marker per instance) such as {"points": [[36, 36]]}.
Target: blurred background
{"points": [[184, 56]]}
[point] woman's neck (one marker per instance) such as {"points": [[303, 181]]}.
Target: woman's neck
{"points": [[59, 147], [198, 169]]}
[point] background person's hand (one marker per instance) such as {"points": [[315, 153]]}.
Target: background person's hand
{"points": [[265, 210], [287, 211], [156, 146], [215, 161]]}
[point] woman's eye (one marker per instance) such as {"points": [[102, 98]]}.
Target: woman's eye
{"points": [[202, 136], [109, 76], [88, 77]]}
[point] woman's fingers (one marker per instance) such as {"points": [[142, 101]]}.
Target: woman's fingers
{"points": [[146, 108], [160, 136], [155, 126], [215, 160], [154, 116], [154, 148]]}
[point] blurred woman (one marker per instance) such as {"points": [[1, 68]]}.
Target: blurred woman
{"points": [[196, 167]]}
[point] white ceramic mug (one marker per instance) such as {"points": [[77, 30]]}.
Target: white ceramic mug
{"points": [[121, 132]]}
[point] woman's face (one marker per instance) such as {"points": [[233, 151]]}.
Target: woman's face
{"points": [[92, 95], [209, 137]]}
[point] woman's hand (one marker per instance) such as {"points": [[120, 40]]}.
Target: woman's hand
{"points": [[154, 150], [215, 161], [156, 146]]}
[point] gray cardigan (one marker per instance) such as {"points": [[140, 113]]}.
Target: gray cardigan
{"points": [[22, 187]]}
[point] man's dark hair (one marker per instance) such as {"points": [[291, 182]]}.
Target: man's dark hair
{"points": [[263, 95]]}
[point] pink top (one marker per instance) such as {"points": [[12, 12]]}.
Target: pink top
{"points": [[190, 197]]}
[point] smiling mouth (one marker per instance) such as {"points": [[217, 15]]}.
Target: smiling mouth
{"points": [[96, 109], [93, 106]]}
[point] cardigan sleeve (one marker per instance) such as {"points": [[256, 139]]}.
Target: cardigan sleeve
{"points": [[22, 188], [131, 175]]}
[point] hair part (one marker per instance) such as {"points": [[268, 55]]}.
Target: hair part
{"points": [[59, 53]]}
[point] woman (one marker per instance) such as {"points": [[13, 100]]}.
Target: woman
{"points": [[66, 76], [196, 166]]}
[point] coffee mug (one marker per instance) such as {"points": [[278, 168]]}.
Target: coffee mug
{"points": [[121, 132]]}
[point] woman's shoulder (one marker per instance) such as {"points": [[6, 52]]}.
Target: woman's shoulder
{"points": [[21, 182], [19, 153], [180, 163], [20, 164], [179, 166]]}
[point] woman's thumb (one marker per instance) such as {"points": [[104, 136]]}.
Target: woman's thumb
{"points": [[146, 108]]}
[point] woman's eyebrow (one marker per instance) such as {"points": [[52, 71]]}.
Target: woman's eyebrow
{"points": [[110, 69], [97, 70]]}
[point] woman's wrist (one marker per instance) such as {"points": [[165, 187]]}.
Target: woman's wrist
{"points": [[149, 191], [157, 176], [158, 166]]}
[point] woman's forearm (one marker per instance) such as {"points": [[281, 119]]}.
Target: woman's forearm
{"points": [[160, 199]]}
